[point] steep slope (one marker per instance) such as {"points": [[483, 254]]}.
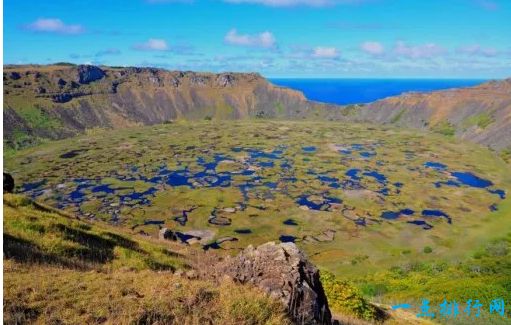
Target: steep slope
{"points": [[59, 101], [480, 114], [60, 270], [62, 100]]}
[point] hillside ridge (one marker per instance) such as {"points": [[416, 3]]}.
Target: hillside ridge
{"points": [[59, 101]]}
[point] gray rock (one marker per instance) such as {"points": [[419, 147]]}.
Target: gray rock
{"points": [[198, 80], [14, 75], [225, 80], [61, 82], [62, 98], [166, 234], [89, 73], [204, 236], [284, 272], [40, 90]]}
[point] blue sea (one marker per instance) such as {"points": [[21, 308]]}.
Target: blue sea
{"points": [[353, 91]]}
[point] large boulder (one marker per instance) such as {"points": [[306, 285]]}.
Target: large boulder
{"points": [[89, 73], [284, 272]]}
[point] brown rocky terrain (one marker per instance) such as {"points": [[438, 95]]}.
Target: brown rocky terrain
{"points": [[58, 101], [480, 114]]}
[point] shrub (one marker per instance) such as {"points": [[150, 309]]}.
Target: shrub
{"points": [[344, 297], [444, 128]]}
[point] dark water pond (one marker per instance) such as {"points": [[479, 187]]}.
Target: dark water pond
{"points": [[391, 215], [436, 214], [435, 165], [422, 223], [290, 222], [469, 179], [321, 204], [309, 149], [243, 231], [287, 239]]}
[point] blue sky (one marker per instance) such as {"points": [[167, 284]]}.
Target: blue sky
{"points": [[278, 38]]}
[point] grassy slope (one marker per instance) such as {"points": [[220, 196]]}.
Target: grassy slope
{"points": [[59, 269]]}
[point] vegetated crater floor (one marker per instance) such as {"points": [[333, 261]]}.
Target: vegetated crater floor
{"points": [[355, 197]]}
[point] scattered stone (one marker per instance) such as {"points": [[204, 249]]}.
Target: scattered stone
{"points": [[61, 82], [230, 210], [198, 80], [219, 221], [204, 236], [226, 239], [14, 75], [325, 236], [62, 98]]}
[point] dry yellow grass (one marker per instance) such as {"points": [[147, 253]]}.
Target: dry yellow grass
{"points": [[59, 270]]}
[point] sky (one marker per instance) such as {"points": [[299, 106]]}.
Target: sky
{"points": [[277, 38]]}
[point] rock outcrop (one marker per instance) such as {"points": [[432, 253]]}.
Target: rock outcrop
{"points": [[72, 99], [285, 273], [89, 73]]}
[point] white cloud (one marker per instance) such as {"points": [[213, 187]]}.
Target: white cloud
{"points": [[292, 3], [263, 40], [477, 50], [373, 48], [152, 44], [427, 50], [54, 25], [325, 52]]}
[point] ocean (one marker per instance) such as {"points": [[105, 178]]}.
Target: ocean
{"points": [[353, 91]]}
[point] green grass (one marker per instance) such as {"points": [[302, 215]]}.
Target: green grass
{"points": [[398, 116], [506, 154], [485, 276], [354, 249], [481, 120], [407, 261], [38, 119], [36, 234], [445, 128]]}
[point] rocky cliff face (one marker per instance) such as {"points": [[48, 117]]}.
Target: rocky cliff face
{"points": [[60, 101], [480, 114]]}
